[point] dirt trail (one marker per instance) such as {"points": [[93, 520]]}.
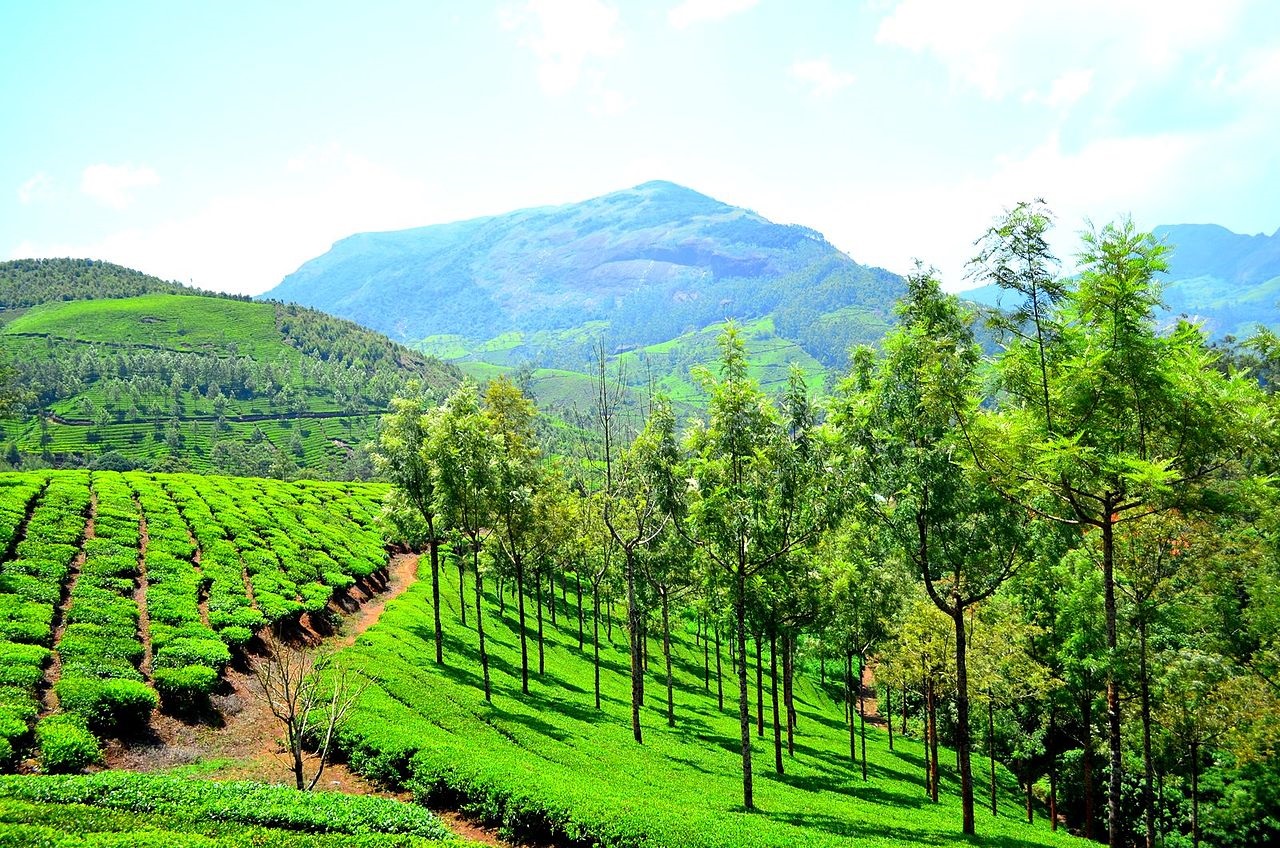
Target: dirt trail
{"points": [[140, 592], [870, 701], [242, 733]]}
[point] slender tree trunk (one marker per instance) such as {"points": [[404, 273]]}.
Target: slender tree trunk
{"points": [[719, 672], [636, 636], [744, 709], [848, 708], [933, 741], [462, 594], [1148, 770], [862, 713], [666, 655], [595, 640], [542, 664], [773, 686], [888, 711], [295, 748], [484, 656], [578, 580], [551, 596], [903, 709], [502, 595], [822, 668], [1086, 764], [962, 720], [759, 688], [991, 748], [1027, 773], [788, 688], [524, 647], [433, 547], [608, 614], [1195, 794], [706, 656], [1053, 787], [1114, 740]]}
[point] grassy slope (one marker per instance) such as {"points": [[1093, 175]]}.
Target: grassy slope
{"points": [[173, 322], [551, 755]]}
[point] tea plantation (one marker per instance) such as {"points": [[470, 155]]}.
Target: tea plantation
{"points": [[123, 592]]}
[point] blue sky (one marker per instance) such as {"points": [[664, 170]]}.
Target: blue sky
{"points": [[227, 143]]}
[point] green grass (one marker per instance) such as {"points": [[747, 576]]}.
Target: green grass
{"points": [[550, 762], [123, 809]]}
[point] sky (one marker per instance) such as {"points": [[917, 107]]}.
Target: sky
{"points": [[226, 143]]}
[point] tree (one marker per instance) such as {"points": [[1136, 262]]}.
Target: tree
{"points": [[1104, 419], [908, 416], [311, 694], [402, 458], [514, 482], [744, 512], [464, 451]]}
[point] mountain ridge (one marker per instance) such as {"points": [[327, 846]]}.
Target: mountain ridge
{"points": [[654, 261]]}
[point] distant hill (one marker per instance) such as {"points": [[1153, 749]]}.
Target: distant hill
{"points": [[1228, 281], [636, 267], [172, 379]]}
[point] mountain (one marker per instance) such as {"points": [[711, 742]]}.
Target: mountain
{"points": [[640, 267], [172, 378], [1228, 281]]}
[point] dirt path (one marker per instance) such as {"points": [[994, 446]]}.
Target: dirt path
{"points": [[402, 572], [241, 740], [140, 593]]}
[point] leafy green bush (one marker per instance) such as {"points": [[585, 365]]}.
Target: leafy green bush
{"points": [[185, 687], [66, 745], [193, 651], [112, 705]]}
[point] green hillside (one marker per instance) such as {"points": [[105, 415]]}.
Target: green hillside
{"points": [[186, 381], [550, 765]]}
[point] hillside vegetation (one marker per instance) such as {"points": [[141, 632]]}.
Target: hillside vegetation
{"points": [[119, 809], [550, 763], [207, 383]]}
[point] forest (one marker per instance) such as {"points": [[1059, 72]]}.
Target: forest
{"points": [[1054, 554]]}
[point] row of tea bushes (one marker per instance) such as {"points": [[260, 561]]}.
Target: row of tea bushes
{"points": [[101, 648], [31, 587], [188, 656]]}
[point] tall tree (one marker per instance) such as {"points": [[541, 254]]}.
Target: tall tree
{"points": [[960, 534], [745, 510], [516, 473], [400, 457], [1105, 418], [464, 451]]}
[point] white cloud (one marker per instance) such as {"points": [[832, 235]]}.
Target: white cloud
{"points": [[564, 36], [999, 46], [1065, 91], [692, 12], [821, 76], [114, 185], [247, 241], [39, 187]]}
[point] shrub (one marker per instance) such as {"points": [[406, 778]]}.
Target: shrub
{"points": [[235, 636], [107, 705], [193, 651], [66, 745], [187, 687]]}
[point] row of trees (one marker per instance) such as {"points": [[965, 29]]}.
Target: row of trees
{"points": [[1074, 535]]}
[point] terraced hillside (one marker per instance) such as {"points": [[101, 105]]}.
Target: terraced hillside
{"points": [[551, 765], [201, 383], [123, 592]]}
